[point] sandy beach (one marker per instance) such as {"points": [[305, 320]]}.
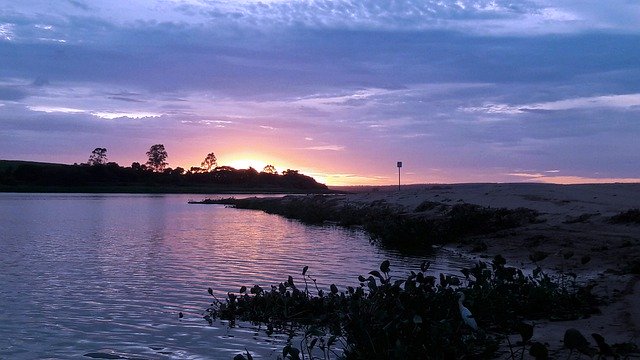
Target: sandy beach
{"points": [[574, 219]]}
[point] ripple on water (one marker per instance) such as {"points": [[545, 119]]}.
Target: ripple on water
{"points": [[107, 275]]}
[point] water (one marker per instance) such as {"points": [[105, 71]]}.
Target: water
{"points": [[84, 273]]}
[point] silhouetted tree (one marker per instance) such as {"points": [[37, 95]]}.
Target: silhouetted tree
{"points": [[178, 171], [157, 156], [15, 173], [252, 171], [210, 162], [98, 157], [269, 169], [137, 167]]}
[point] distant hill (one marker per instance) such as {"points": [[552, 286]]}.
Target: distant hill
{"points": [[12, 164], [27, 176]]}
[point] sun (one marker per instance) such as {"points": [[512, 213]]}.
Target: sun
{"points": [[245, 163], [245, 160]]}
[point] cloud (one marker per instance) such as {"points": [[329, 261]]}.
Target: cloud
{"points": [[7, 31], [296, 61], [494, 109], [569, 179], [618, 101], [54, 109], [326, 148], [40, 81], [12, 93], [622, 101], [348, 178], [478, 16], [130, 115], [127, 99], [80, 5]]}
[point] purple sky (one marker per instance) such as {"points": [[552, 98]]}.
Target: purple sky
{"points": [[460, 91]]}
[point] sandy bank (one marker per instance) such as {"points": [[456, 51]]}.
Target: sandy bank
{"points": [[575, 220]]}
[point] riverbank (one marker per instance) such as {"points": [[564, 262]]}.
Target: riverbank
{"points": [[159, 189], [573, 219], [576, 230]]}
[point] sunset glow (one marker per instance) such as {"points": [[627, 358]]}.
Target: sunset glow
{"points": [[247, 163], [460, 91]]}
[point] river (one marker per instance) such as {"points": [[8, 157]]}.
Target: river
{"points": [[97, 274]]}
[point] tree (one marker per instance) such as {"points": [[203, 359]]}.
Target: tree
{"points": [[178, 171], [269, 169], [157, 156], [210, 162], [137, 167], [98, 157]]}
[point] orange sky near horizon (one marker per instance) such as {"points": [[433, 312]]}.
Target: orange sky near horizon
{"points": [[340, 174]]}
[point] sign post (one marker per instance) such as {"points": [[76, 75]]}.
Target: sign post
{"points": [[399, 166]]}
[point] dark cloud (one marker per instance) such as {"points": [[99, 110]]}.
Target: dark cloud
{"points": [[80, 5], [20, 119], [12, 93], [40, 81], [169, 57], [126, 99]]}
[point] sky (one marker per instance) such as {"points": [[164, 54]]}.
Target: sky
{"points": [[459, 91]]}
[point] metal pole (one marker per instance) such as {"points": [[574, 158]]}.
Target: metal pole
{"points": [[399, 164]]}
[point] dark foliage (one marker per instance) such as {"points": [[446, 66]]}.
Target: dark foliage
{"points": [[389, 225], [427, 205], [15, 176], [412, 318]]}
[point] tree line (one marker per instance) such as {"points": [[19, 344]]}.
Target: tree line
{"points": [[154, 173], [157, 156]]}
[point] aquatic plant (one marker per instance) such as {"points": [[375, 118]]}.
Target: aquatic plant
{"points": [[417, 316], [390, 225]]}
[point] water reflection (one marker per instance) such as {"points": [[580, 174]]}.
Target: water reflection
{"points": [[109, 273]]}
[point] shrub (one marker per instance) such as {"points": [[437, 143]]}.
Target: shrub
{"points": [[389, 225], [414, 317]]}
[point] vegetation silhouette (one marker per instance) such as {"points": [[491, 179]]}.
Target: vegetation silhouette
{"points": [[98, 157], [23, 176], [269, 169], [415, 317], [210, 162], [157, 157], [389, 225]]}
